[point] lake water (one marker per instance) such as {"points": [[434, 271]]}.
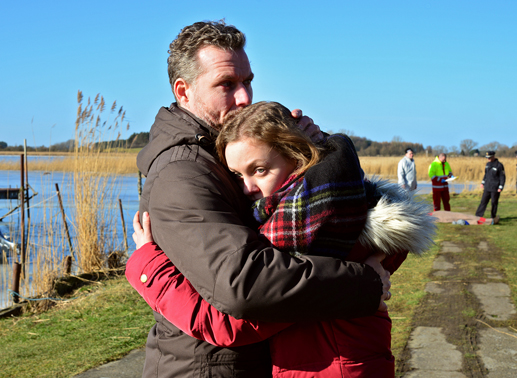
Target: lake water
{"points": [[30, 158], [45, 206]]}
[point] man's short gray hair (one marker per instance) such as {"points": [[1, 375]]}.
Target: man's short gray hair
{"points": [[182, 60]]}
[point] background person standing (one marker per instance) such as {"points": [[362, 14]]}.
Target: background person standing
{"points": [[439, 171], [407, 171], [493, 184]]}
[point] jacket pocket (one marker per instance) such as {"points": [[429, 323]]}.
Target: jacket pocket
{"points": [[232, 365]]}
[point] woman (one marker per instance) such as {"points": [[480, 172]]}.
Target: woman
{"points": [[309, 200]]}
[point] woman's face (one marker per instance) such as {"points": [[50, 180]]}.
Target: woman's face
{"points": [[260, 168]]}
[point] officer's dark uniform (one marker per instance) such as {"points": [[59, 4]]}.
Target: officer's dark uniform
{"points": [[492, 181]]}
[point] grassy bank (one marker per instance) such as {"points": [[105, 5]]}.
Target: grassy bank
{"points": [[105, 321], [109, 319]]}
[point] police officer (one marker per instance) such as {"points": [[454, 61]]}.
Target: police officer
{"points": [[493, 184]]}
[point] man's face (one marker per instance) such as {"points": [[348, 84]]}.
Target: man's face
{"points": [[442, 158], [409, 154], [491, 158], [223, 85]]}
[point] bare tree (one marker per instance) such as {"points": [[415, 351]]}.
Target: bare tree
{"points": [[467, 145], [439, 149], [454, 150], [492, 146]]}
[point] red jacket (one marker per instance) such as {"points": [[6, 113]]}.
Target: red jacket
{"points": [[330, 220], [336, 348]]}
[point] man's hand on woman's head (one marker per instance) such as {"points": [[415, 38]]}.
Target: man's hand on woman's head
{"points": [[142, 234], [307, 125]]}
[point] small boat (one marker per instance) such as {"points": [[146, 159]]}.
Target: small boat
{"points": [[6, 246]]}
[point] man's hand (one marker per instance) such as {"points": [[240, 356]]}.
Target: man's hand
{"points": [[375, 262], [482, 186], [141, 235], [307, 125], [499, 190]]}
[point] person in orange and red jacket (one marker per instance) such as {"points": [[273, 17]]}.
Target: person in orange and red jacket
{"points": [[439, 171]]}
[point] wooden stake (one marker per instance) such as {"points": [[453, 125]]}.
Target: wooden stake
{"points": [[16, 281], [123, 226], [22, 215], [65, 222], [139, 185]]}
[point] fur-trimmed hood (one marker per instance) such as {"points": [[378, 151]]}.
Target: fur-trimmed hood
{"points": [[398, 222]]}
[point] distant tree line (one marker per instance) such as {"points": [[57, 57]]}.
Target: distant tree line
{"points": [[364, 146], [367, 147], [468, 147], [135, 140]]}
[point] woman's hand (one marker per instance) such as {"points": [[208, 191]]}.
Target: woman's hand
{"points": [[141, 235], [375, 262]]}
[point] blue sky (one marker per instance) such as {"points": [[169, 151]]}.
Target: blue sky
{"points": [[431, 72]]}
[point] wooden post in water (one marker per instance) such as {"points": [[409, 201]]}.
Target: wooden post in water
{"points": [[64, 222], [139, 185], [123, 225], [16, 281], [27, 183], [22, 215], [67, 265]]}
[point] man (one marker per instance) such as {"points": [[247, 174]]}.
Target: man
{"points": [[200, 219], [439, 171], [492, 185], [407, 171]]}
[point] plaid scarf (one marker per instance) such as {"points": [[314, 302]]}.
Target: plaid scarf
{"points": [[321, 212]]}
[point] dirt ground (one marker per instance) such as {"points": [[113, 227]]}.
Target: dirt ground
{"points": [[457, 311]]}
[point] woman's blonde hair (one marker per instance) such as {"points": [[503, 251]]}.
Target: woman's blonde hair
{"points": [[273, 124]]}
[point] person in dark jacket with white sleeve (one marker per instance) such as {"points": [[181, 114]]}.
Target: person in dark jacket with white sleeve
{"points": [[492, 185], [201, 221]]}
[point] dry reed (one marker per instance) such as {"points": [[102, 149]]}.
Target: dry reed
{"points": [[108, 163], [466, 169], [93, 193]]}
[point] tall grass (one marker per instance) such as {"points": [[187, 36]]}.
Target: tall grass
{"points": [[110, 161], [467, 169], [93, 193]]}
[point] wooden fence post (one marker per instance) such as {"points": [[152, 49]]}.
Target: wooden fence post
{"points": [[67, 265], [65, 222], [123, 225], [139, 185], [16, 281], [22, 214]]}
